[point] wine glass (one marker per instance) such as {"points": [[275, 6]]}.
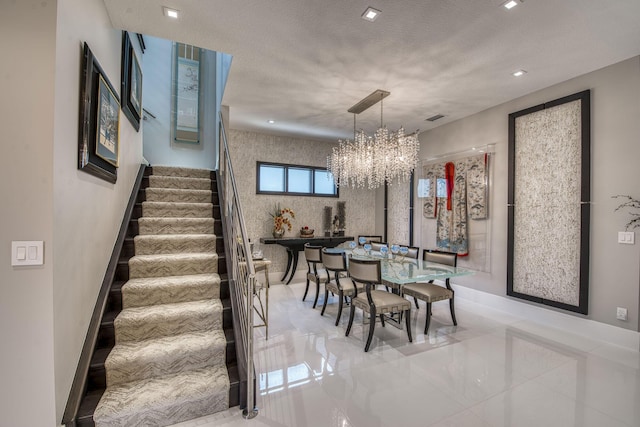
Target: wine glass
{"points": [[352, 245], [394, 250], [367, 248], [404, 250], [384, 250], [362, 240]]}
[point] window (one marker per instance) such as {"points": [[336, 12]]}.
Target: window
{"points": [[186, 93], [294, 180], [424, 186]]}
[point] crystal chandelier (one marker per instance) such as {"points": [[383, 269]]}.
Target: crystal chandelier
{"points": [[370, 161]]}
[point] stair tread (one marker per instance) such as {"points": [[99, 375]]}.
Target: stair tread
{"points": [[170, 309], [177, 204], [141, 281], [136, 360], [188, 236], [178, 256], [165, 400]]}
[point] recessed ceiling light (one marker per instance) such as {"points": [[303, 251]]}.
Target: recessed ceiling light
{"points": [[510, 4], [371, 14], [519, 73], [170, 13], [271, 121]]}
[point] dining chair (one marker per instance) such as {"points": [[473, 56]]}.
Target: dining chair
{"points": [[316, 272], [430, 292], [374, 302], [336, 263], [375, 246], [369, 239], [413, 252]]}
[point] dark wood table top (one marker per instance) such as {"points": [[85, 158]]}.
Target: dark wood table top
{"points": [[292, 242]]}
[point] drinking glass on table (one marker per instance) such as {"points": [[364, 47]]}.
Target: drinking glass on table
{"points": [[404, 251], [395, 249], [367, 248], [384, 250]]}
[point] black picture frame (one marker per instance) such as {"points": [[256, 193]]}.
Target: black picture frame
{"points": [[95, 91], [131, 83], [582, 307]]}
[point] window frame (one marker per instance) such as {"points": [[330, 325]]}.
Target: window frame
{"points": [[286, 191]]}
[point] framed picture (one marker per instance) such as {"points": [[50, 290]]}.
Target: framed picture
{"points": [[99, 121], [549, 203], [131, 83], [108, 123]]}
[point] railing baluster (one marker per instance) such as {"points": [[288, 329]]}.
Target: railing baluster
{"points": [[243, 274]]}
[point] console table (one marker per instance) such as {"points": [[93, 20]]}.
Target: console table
{"points": [[295, 245]]}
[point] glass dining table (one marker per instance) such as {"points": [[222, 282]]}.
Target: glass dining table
{"points": [[398, 270]]}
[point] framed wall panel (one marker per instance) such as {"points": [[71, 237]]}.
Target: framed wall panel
{"points": [[548, 203]]}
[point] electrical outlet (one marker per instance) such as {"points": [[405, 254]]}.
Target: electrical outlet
{"points": [[621, 313]]}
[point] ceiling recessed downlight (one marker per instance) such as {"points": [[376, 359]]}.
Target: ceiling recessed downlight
{"points": [[271, 121], [170, 13], [510, 4], [371, 14], [519, 73]]}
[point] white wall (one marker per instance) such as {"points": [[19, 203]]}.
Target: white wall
{"points": [[615, 127], [159, 148], [87, 210], [248, 147], [27, 42]]}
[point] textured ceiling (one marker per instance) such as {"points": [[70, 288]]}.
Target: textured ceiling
{"points": [[304, 63]]}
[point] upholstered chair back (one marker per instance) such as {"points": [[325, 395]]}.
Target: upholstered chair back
{"points": [[335, 261], [441, 257], [365, 271]]}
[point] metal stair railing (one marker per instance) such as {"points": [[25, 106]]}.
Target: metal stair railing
{"points": [[241, 274]]}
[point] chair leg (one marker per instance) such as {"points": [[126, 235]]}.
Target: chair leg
{"points": [[407, 315], [306, 290], [315, 301], [351, 314], [340, 297], [324, 305], [426, 323], [372, 327], [453, 312], [416, 301], [382, 320]]}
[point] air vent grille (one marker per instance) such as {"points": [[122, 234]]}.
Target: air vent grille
{"points": [[434, 118]]}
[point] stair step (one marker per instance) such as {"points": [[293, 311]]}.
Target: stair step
{"points": [[174, 243], [143, 323], [176, 226], [177, 195], [177, 210], [164, 265], [166, 400], [158, 181], [171, 289], [133, 361], [180, 172]]}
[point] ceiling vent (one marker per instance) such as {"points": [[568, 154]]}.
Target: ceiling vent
{"points": [[434, 118]]}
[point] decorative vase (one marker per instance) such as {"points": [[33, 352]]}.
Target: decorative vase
{"points": [[278, 233]]}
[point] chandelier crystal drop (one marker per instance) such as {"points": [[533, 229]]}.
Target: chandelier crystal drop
{"points": [[371, 162]]}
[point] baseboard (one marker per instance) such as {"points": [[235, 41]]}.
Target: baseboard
{"points": [[573, 324]]}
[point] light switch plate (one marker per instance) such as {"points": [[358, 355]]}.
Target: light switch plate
{"points": [[27, 253], [626, 237]]}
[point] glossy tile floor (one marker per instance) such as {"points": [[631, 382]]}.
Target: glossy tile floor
{"points": [[491, 370]]}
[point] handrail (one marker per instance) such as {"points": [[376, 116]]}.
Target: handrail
{"points": [[242, 279]]}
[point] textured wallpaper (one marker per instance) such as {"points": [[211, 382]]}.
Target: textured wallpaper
{"points": [[398, 213], [547, 204], [247, 148]]}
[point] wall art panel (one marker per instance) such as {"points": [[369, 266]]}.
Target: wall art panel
{"points": [[549, 190]]}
